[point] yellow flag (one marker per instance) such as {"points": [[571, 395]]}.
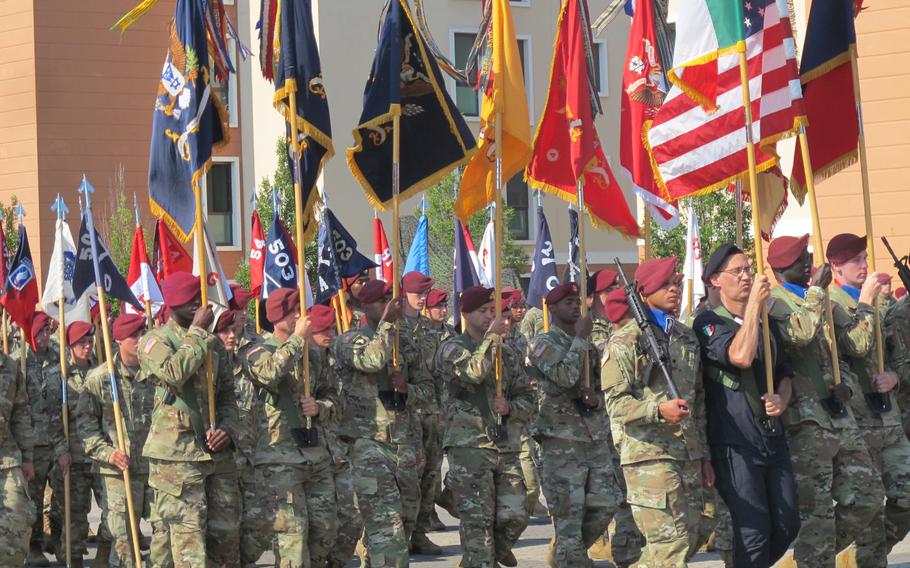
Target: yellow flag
{"points": [[506, 97]]}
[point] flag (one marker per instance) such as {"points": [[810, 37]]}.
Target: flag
{"points": [[168, 255], [296, 68], [573, 266], [472, 252], [109, 277], [140, 279], [257, 255], [419, 254], [698, 139], [382, 253], [218, 291], [643, 91], [434, 137], [772, 187], [566, 147], [188, 120], [692, 267], [280, 259], [465, 273], [59, 282], [826, 75], [486, 256], [504, 94], [338, 257], [20, 289], [543, 266]]}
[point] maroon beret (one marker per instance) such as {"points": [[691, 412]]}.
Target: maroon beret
{"points": [[784, 251], [416, 283], [653, 274], [348, 281], [77, 330], [39, 320], [900, 293], [321, 318], [617, 305], [281, 303], [602, 280], [180, 288], [240, 297], [560, 292], [372, 291], [474, 297], [437, 298], [225, 321], [515, 298], [844, 246], [126, 325]]}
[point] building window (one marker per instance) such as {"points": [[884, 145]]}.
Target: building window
{"points": [[466, 98], [518, 199], [222, 202], [600, 67], [228, 92]]}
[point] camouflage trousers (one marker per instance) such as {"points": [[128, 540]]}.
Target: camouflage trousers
{"points": [[81, 480], [299, 512], [624, 536], [530, 469], [831, 467], [18, 513], [117, 512], [432, 464], [43, 460], [667, 500], [383, 477], [490, 495], [890, 453], [350, 524], [198, 505], [252, 505], [582, 495]]}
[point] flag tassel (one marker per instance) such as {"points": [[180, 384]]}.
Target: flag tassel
{"points": [[204, 298]]}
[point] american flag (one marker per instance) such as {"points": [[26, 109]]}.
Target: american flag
{"points": [[697, 151]]}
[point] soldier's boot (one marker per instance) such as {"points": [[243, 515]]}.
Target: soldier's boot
{"points": [[550, 557], [145, 543], [362, 554], [846, 558], [447, 501], [435, 524], [540, 510], [92, 537], [602, 549], [77, 562], [727, 557], [421, 544], [36, 557], [103, 555], [508, 559]]}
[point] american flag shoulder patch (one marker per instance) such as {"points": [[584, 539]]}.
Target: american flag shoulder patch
{"points": [[150, 345]]}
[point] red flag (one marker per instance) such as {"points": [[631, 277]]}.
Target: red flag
{"points": [[169, 255], [140, 279], [643, 92], [566, 146], [20, 289], [382, 254], [257, 255]]}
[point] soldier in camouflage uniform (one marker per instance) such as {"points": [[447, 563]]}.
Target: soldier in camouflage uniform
{"points": [[482, 436], [97, 430], [41, 369], [17, 442], [191, 464], [831, 462], [572, 429], [875, 407], [377, 421], [897, 326], [661, 440], [295, 468], [415, 329], [351, 286], [626, 539]]}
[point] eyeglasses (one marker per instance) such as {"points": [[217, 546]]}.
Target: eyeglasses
{"points": [[739, 271]]}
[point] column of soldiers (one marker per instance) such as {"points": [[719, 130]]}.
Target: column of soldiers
{"points": [[322, 441]]}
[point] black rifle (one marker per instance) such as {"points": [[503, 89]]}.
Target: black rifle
{"points": [[901, 264], [648, 341]]}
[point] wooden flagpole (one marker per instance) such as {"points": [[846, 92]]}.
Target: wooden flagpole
{"points": [[497, 246], [738, 197], [396, 218], [204, 297], [60, 208]]}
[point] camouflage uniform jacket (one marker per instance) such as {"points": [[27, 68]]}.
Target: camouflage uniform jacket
{"points": [[278, 368], [471, 390], [600, 334], [532, 324], [17, 439], [518, 342], [897, 330], [94, 416], [800, 325], [440, 336], [42, 374], [250, 413], [173, 359], [633, 398], [75, 384], [418, 346], [364, 357], [855, 325], [558, 360]]}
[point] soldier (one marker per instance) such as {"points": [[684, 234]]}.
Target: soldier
{"points": [[482, 432], [897, 324], [70, 456], [240, 299], [352, 285], [377, 423], [830, 459], [661, 439], [41, 369], [875, 409], [572, 430], [17, 468], [748, 445], [97, 430], [518, 308], [295, 469], [191, 465], [625, 543]]}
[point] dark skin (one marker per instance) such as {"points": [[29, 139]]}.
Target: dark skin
{"points": [[566, 314], [387, 310]]}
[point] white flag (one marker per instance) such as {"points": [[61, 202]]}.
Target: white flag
{"points": [[218, 289], [59, 283], [486, 256], [693, 288]]}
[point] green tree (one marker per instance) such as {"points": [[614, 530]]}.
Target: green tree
{"points": [[716, 214], [118, 222], [10, 226]]}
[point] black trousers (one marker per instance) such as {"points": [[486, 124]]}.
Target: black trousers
{"points": [[760, 492]]}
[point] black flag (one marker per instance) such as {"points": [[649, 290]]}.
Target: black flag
{"points": [[112, 281]]}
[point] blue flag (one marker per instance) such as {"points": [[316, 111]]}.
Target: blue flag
{"points": [[465, 274], [419, 254], [543, 267], [338, 258], [112, 282], [280, 267], [188, 121]]}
